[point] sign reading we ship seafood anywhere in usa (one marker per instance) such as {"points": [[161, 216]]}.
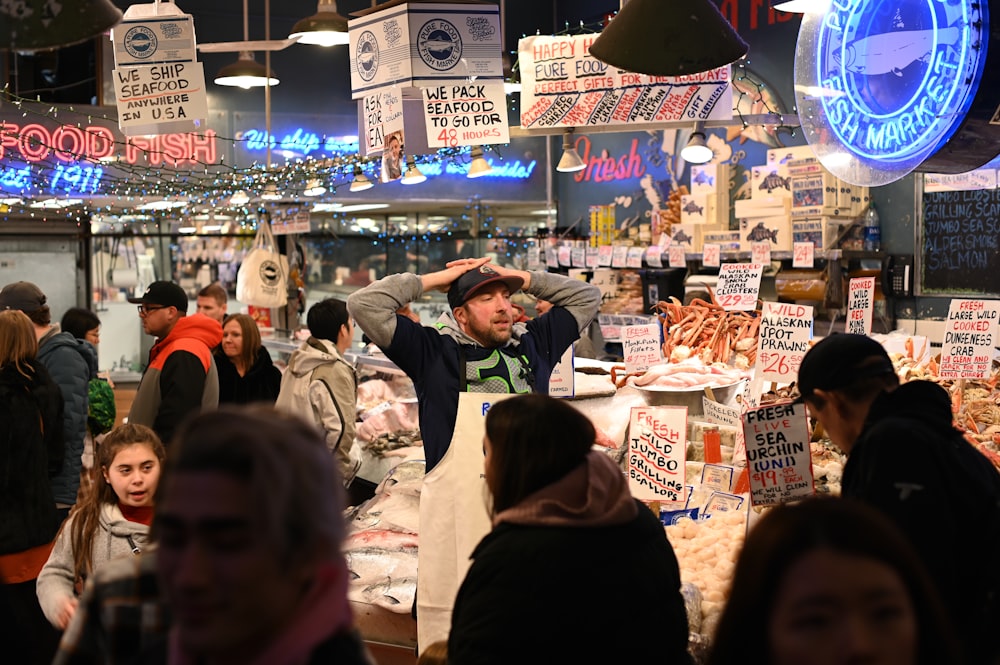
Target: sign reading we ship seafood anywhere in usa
{"points": [[656, 453], [970, 335], [777, 439], [564, 86]]}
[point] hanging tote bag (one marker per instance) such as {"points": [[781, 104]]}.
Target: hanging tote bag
{"points": [[261, 280]]}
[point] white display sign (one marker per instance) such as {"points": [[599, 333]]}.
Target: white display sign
{"points": [[593, 257], [778, 458], [284, 223], [579, 257], [653, 258], [739, 286], [969, 339], [564, 86], [605, 254], [860, 302], [160, 99], [641, 347], [466, 114], [561, 382], [634, 257], [382, 114], [803, 254], [619, 256], [785, 331], [711, 255], [656, 453], [676, 257], [760, 252], [159, 34]]}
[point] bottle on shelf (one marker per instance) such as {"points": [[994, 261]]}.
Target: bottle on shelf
{"points": [[872, 230]]}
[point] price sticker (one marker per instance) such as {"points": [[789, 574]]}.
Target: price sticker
{"points": [[803, 255]]}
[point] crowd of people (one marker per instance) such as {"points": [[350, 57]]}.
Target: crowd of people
{"points": [[208, 528]]}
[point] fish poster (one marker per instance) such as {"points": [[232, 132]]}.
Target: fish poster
{"points": [[657, 449], [564, 86], [778, 457], [785, 331]]}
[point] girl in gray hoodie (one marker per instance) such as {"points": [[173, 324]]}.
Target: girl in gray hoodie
{"points": [[110, 520]]}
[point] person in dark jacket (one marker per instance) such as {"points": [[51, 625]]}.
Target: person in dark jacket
{"points": [[31, 454], [71, 363], [906, 459], [246, 372], [181, 377], [544, 586]]}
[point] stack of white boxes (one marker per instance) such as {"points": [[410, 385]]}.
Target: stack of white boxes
{"points": [[705, 211]]}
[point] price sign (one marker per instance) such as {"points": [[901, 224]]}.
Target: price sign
{"points": [[634, 257], [785, 330], [449, 122], [565, 253], [561, 382], [656, 453], [778, 460], [641, 346], [284, 223], [760, 252], [803, 254], [677, 259], [969, 338], [579, 257], [860, 299], [722, 502], [739, 286], [619, 256], [710, 255], [604, 255], [653, 259], [551, 257], [534, 261], [593, 257], [717, 476]]}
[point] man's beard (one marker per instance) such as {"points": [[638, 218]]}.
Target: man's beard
{"points": [[488, 336]]}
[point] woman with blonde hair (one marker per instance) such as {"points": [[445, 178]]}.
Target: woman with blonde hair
{"points": [[31, 453], [110, 521], [246, 372]]}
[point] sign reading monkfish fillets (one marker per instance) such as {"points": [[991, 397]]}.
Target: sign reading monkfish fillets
{"points": [[739, 285], [160, 99], [970, 335], [564, 86], [657, 445], [466, 114], [785, 330], [778, 460]]}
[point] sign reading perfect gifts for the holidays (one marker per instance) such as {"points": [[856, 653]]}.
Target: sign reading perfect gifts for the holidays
{"points": [[883, 88], [564, 86]]}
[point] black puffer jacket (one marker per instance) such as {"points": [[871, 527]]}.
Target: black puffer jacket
{"points": [[260, 384], [914, 466], [29, 458]]}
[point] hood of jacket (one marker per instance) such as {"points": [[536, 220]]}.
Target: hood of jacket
{"points": [[193, 326], [114, 521], [55, 339], [594, 494], [448, 326], [313, 353], [921, 401]]}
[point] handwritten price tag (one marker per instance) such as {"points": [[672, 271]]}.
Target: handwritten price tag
{"points": [[533, 259], [803, 255], [710, 255], [739, 285], [677, 258], [593, 257], [653, 259], [619, 256], [565, 255], [656, 453], [579, 257], [604, 254], [760, 252], [641, 346], [860, 301], [634, 257], [778, 459], [785, 330]]}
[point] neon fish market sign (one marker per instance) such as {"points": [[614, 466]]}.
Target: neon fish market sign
{"points": [[889, 83]]}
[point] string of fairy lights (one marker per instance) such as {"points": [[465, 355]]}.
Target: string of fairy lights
{"points": [[121, 186]]}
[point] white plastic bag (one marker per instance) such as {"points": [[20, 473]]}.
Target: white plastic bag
{"points": [[261, 280]]}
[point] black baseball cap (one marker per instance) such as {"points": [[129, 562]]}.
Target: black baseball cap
{"points": [[163, 293], [468, 284], [23, 296], [839, 360]]}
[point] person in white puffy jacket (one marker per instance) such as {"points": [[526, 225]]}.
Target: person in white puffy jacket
{"points": [[110, 520]]}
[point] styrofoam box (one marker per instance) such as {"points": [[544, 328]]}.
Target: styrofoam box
{"points": [[785, 155], [728, 241], [821, 231]]}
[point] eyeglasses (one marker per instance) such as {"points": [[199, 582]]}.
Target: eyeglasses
{"points": [[145, 310]]}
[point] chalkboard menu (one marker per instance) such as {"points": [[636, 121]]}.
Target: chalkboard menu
{"points": [[960, 243]]}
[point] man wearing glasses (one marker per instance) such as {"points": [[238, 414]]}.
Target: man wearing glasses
{"points": [[180, 377]]}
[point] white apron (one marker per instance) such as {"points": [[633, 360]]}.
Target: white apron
{"points": [[453, 518]]}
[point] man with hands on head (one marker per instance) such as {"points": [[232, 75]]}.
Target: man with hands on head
{"points": [[476, 346]]}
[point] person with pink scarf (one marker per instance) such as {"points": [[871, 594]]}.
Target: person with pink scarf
{"points": [[575, 570]]}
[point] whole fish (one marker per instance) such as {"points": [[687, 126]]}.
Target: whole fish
{"points": [[406, 476], [393, 593], [368, 565], [390, 511], [384, 538]]}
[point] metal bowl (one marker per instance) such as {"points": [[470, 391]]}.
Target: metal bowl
{"points": [[690, 397]]}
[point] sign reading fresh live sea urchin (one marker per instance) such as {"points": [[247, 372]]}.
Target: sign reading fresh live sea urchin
{"points": [[883, 87]]}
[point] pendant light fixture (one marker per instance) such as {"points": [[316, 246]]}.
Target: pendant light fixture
{"points": [[270, 192], [239, 198], [324, 28], [413, 175], [41, 25], [246, 72], [314, 187], [697, 151], [479, 166], [663, 38], [361, 182], [570, 161]]}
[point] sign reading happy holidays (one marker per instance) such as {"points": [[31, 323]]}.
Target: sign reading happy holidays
{"points": [[564, 86], [777, 439], [657, 444], [969, 339]]}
